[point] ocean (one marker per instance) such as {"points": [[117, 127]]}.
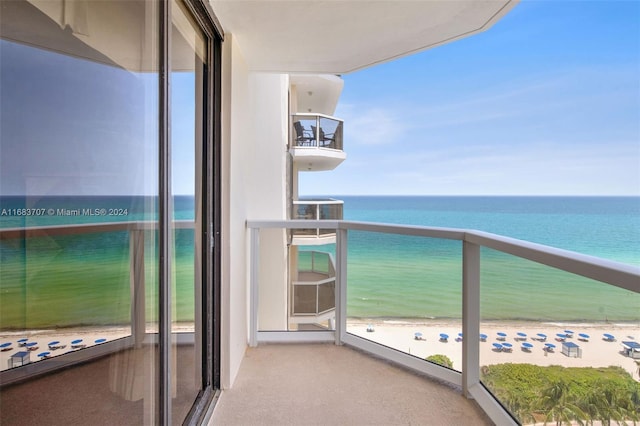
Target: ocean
{"points": [[77, 280], [409, 277]]}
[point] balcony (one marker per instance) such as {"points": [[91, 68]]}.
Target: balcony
{"points": [[316, 142], [328, 209], [313, 295], [444, 283], [312, 384]]}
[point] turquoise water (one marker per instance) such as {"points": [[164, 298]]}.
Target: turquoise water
{"points": [[388, 275], [410, 277]]}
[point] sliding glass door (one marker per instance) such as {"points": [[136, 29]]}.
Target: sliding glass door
{"points": [[108, 179]]}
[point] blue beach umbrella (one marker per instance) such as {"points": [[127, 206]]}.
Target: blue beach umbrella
{"points": [[5, 346], [501, 335], [444, 337], [44, 355], [483, 337], [609, 337], [549, 346], [542, 336], [31, 346], [22, 342], [497, 345], [568, 333], [507, 346], [527, 346], [98, 341], [561, 336], [522, 335], [583, 336]]}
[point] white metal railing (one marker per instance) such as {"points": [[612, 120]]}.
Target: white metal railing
{"points": [[316, 131], [612, 273]]}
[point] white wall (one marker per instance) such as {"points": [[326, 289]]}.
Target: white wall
{"points": [[254, 135]]}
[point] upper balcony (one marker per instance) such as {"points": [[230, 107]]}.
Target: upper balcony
{"points": [[317, 209], [316, 141]]}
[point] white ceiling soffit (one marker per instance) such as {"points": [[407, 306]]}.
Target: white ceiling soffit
{"points": [[317, 93], [341, 36]]}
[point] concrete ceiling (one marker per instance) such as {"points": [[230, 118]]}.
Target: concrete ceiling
{"points": [[341, 36]]}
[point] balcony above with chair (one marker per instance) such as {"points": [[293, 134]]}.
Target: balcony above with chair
{"points": [[316, 141]]}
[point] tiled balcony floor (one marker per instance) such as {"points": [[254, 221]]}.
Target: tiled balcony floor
{"points": [[324, 384]]}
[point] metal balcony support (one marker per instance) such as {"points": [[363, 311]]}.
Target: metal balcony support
{"points": [[470, 316], [253, 284], [137, 283], [341, 287]]}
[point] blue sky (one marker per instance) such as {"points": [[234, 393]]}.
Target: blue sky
{"points": [[546, 102]]}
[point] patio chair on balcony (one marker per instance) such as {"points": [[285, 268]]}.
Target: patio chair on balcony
{"points": [[303, 136], [324, 138]]}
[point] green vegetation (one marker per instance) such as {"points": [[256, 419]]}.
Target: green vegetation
{"points": [[564, 395], [441, 360]]}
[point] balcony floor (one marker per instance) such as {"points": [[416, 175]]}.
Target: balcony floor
{"points": [[314, 384]]}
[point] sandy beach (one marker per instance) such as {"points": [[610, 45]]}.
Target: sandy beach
{"points": [[595, 351], [64, 337], [401, 335]]}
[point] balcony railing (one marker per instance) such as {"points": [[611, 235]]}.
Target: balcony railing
{"points": [[328, 209], [478, 253], [135, 332], [314, 291], [316, 131]]}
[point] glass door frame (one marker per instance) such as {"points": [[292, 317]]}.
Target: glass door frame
{"points": [[210, 229]]}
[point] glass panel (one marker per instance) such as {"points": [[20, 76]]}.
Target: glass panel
{"points": [[317, 131], [78, 187], [187, 106], [398, 286], [559, 346]]}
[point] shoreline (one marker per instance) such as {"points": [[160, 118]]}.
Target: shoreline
{"points": [[399, 334], [596, 352]]}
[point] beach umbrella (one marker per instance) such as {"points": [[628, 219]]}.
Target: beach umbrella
{"points": [[522, 335], [501, 335], [568, 333], [22, 342], [497, 345], [527, 346], [32, 346], [542, 336], [561, 336], [583, 336], [444, 337], [609, 337], [483, 337], [98, 341], [44, 355], [6, 346], [507, 346]]}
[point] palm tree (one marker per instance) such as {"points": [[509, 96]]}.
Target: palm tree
{"points": [[559, 407]]}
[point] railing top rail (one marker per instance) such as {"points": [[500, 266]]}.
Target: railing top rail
{"points": [[615, 273], [316, 114], [85, 228], [318, 201]]}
